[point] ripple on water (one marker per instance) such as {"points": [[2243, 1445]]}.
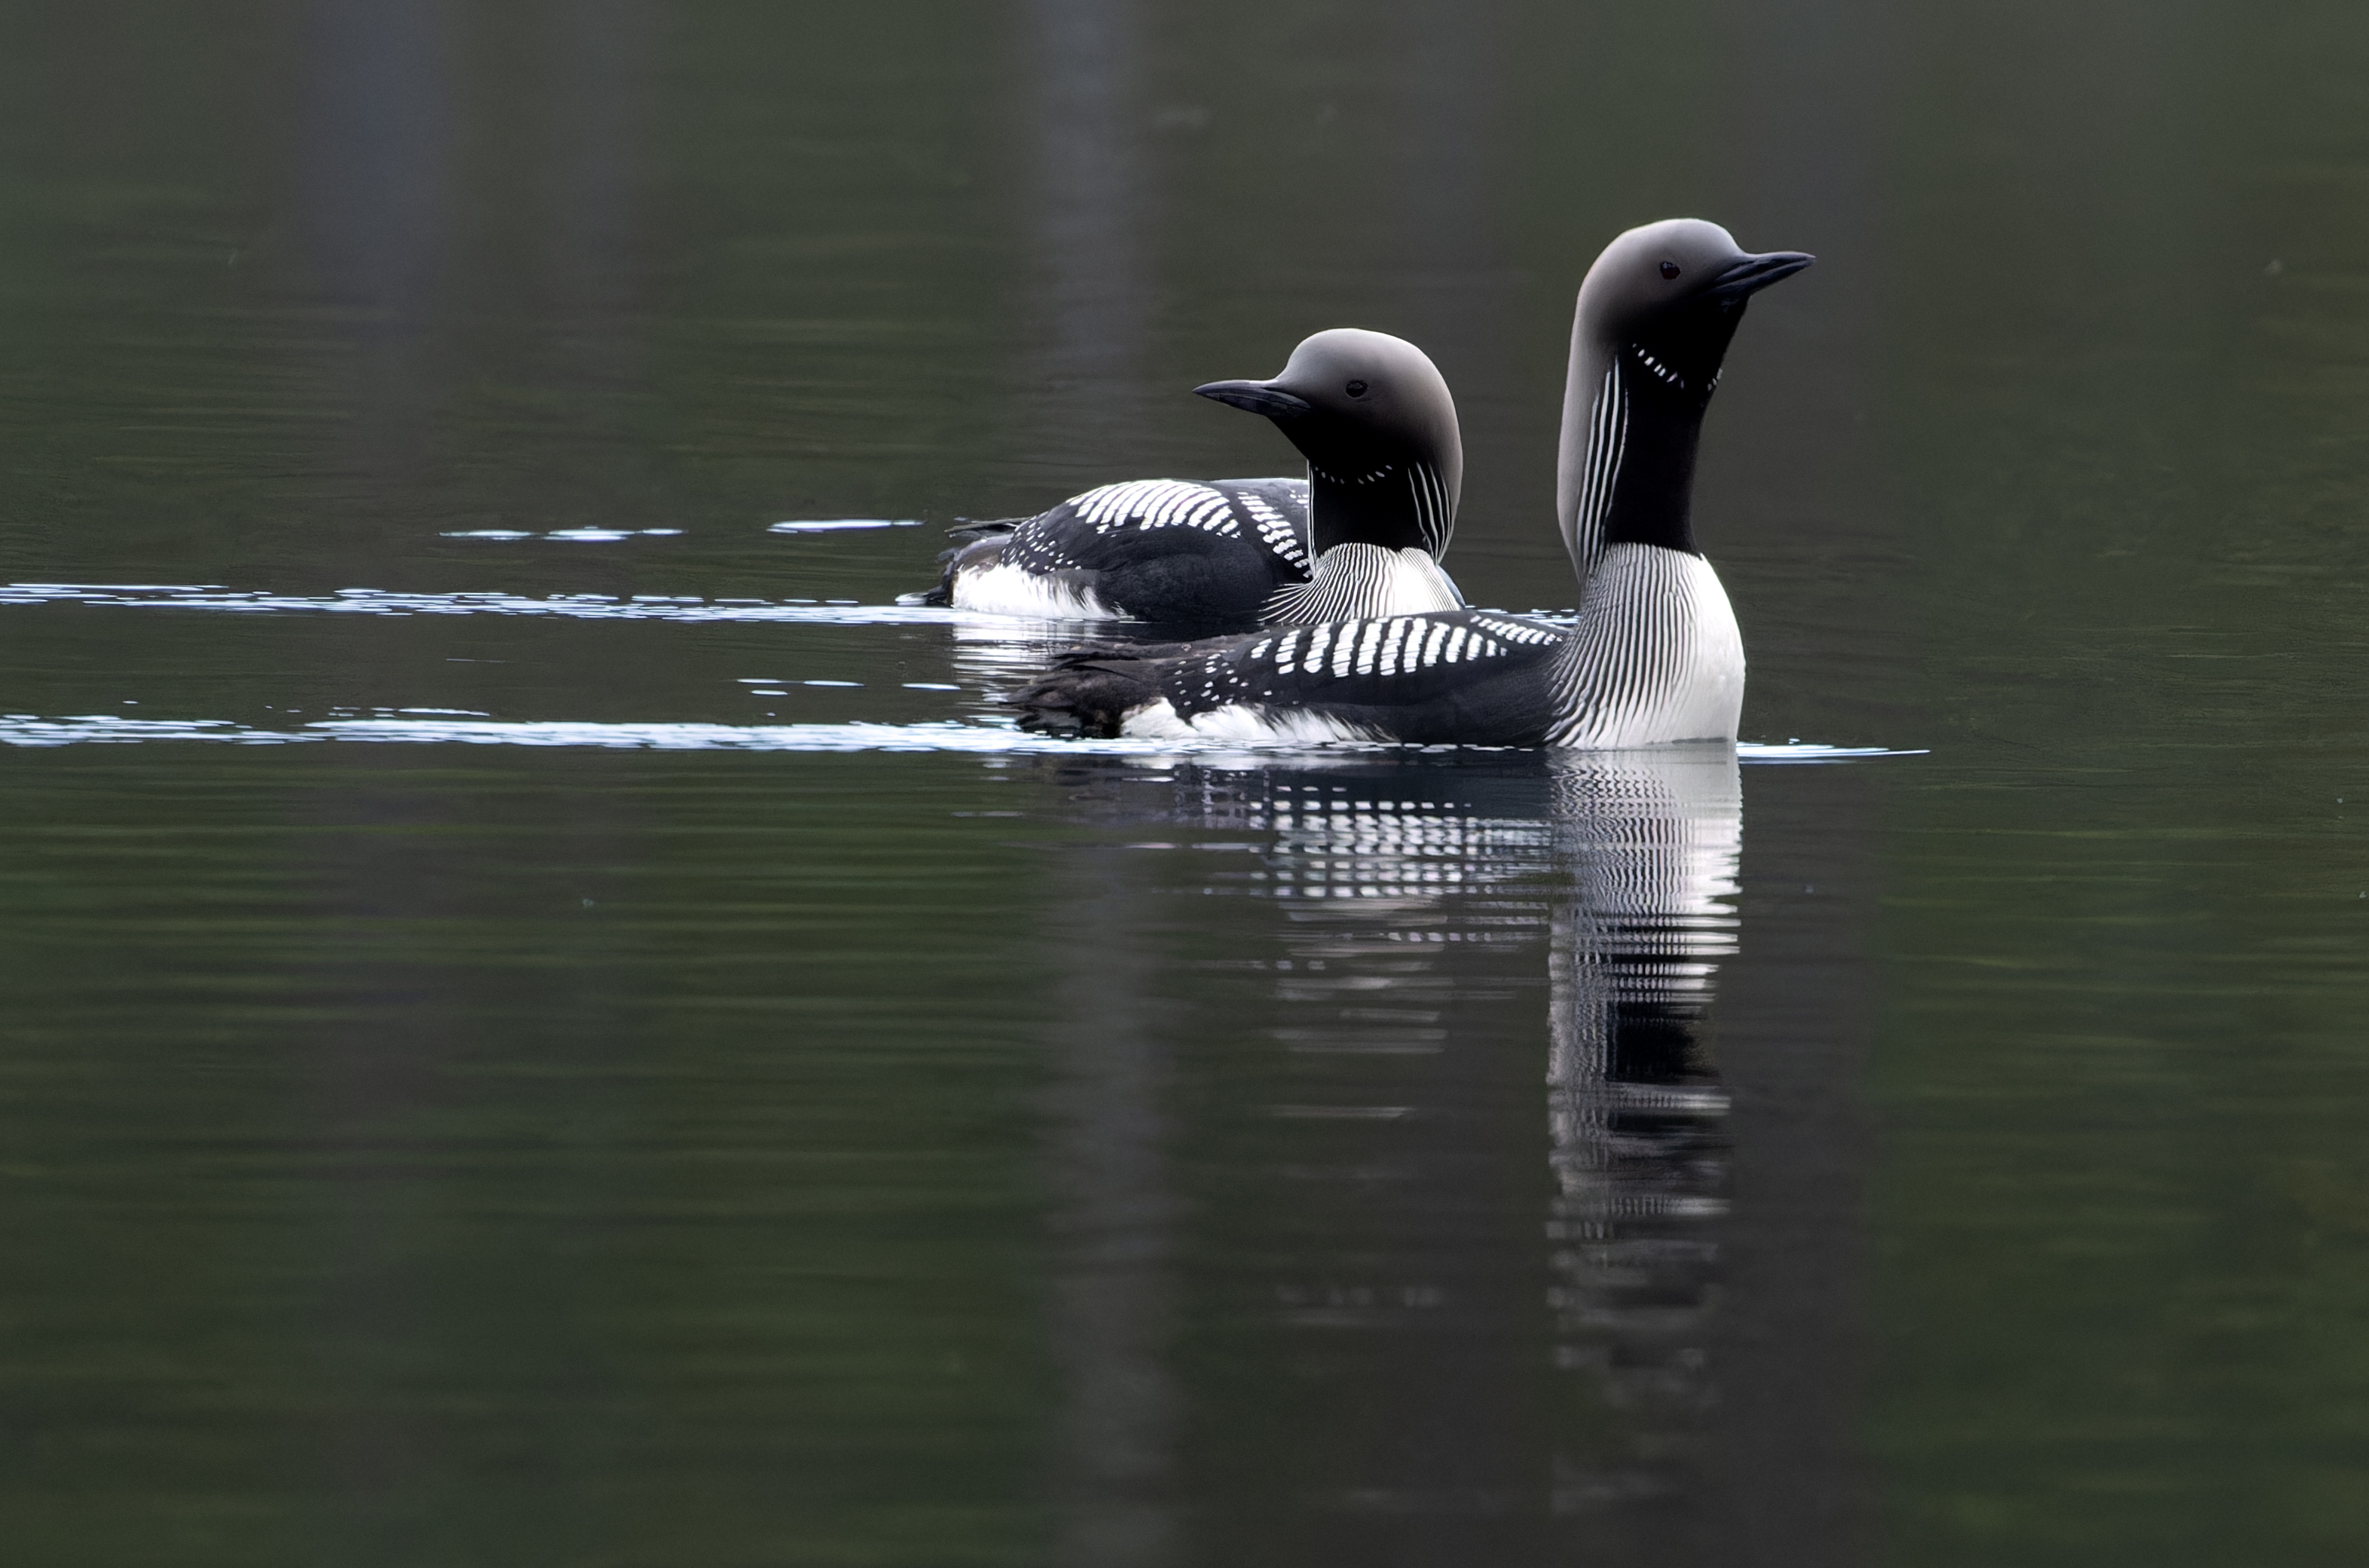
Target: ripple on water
{"points": [[566, 606], [989, 647], [443, 726], [566, 535]]}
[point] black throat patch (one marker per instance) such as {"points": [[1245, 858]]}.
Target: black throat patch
{"points": [[1666, 376]]}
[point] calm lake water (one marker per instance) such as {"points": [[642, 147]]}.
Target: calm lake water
{"points": [[550, 1023]]}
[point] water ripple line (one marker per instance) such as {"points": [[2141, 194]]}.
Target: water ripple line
{"points": [[566, 606], [417, 727]]}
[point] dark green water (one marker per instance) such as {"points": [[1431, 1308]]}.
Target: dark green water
{"points": [[616, 1120]]}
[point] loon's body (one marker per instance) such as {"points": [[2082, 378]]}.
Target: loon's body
{"points": [[1359, 536], [1653, 656], [1164, 550]]}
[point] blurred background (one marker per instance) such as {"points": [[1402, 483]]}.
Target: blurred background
{"points": [[451, 1153]]}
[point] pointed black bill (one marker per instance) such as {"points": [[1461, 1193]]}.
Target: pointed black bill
{"points": [[1755, 273], [1257, 397]]}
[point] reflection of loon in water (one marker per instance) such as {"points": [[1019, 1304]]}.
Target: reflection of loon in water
{"points": [[1393, 1056], [1635, 1110], [1638, 858]]}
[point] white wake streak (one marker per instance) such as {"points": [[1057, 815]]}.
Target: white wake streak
{"points": [[561, 606], [106, 729]]}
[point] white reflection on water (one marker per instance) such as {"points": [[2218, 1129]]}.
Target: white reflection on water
{"points": [[1389, 850], [567, 536]]}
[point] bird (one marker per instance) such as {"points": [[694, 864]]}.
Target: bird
{"points": [[1653, 655], [1359, 536]]}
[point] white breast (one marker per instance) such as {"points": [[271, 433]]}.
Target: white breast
{"points": [[1656, 656], [1417, 585]]}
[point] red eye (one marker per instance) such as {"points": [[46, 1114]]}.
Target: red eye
{"points": [[1670, 268]]}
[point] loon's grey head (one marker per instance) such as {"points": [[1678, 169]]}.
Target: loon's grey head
{"points": [[1374, 417], [1655, 316], [1671, 294]]}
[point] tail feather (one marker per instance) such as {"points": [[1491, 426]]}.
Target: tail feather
{"points": [[1092, 692], [969, 531], [975, 547]]}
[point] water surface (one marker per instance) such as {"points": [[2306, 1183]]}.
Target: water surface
{"points": [[550, 1021]]}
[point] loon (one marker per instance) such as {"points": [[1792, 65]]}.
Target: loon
{"points": [[1360, 536], [1653, 656]]}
